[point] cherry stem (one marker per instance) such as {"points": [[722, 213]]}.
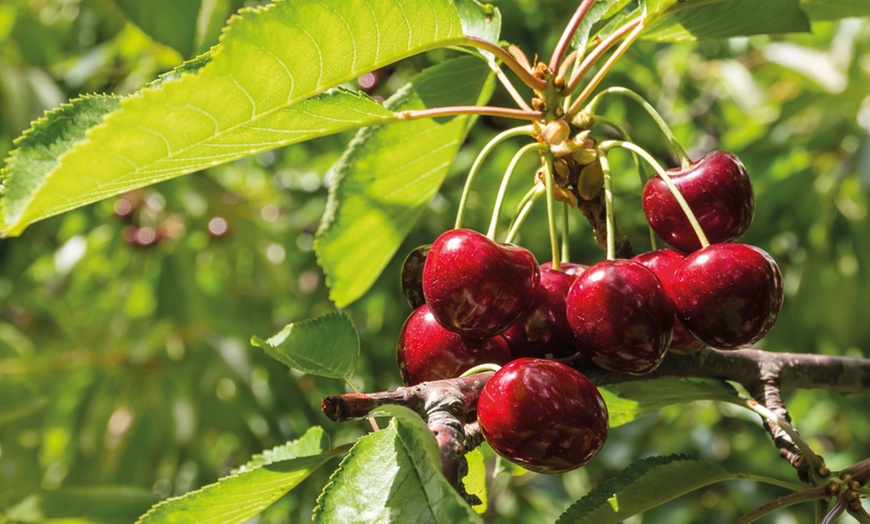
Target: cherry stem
{"points": [[598, 119], [769, 480], [608, 65], [506, 82], [480, 368], [502, 190], [551, 213], [610, 144], [566, 247], [608, 207], [656, 116], [519, 114], [524, 74], [565, 40], [782, 502], [528, 202], [475, 167]]}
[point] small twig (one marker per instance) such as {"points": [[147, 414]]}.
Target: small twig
{"points": [[524, 74], [506, 83], [519, 114], [782, 502]]}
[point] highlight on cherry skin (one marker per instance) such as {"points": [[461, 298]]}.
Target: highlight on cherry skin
{"points": [[719, 193], [476, 287], [543, 415]]}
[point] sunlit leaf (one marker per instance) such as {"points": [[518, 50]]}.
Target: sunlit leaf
{"points": [[393, 475], [327, 346], [835, 9], [631, 400], [643, 485], [314, 442]]}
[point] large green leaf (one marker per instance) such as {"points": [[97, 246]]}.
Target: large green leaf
{"points": [[242, 495], [390, 173], [393, 475], [643, 485], [631, 400], [835, 9], [256, 93], [327, 346], [684, 20]]}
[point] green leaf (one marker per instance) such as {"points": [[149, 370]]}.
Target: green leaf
{"points": [[597, 12], [685, 20], [19, 400], [314, 442], [631, 400], [835, 9], [480, 20], [393, 475], [475, 480], [255, 94], [643, 485], [390, 173], [105, 505], [171, 22], [327, 346], [238, 497]]}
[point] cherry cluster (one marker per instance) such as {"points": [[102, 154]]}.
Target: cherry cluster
{"points": [[479, 302]]}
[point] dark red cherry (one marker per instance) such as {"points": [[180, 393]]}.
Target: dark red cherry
{"points": [[542, 415], [664, 263], [728, 295], [717, 189], [427, 351], [543, 330], [620, 314], [412, 276], [476, 287], [571, 268]]}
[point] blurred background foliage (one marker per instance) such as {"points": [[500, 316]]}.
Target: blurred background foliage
{"points": [[125, 360]]}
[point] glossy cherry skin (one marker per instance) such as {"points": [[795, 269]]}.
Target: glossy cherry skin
{"points": [[728, 295], [476, 287], [664, 263], [571, 268], [620, 314], [717, 189], [543, 330], [427, 351], [543, 415], [412, 276]]}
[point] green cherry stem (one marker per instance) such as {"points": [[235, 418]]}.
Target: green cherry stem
{"points": [[475, 167], [566, 246], [782, 502], [551, 212], [806, 450], [769, 480], [537, 192], [502, 190], [480, 368], [608, 207], [608, 65], [593, 57], [666, 130], [610, 144], [598, 119]]}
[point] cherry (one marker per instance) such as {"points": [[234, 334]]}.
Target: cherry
{"points": [[543, 330], [542, 415], [427, 351], [717, 189], [620, 314], [412, 276], [476, 287], [664, 263], [728, 295], [571, 268]]}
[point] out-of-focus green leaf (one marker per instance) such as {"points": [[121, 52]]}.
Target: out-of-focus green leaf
{"points": [[835, 9], [631, 400], [643, 485], [18, 400], [327, 346], [107, 505], [390, 173], [171, 22], [393, 475], [679, 21]]}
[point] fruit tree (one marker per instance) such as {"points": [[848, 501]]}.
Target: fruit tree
{"points": [[434, 261]]}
